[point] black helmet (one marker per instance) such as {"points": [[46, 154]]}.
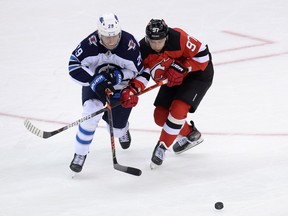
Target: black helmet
{"points": [[156, 29]]}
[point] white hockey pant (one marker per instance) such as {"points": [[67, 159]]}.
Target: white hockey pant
{"points": [[86, 129]]}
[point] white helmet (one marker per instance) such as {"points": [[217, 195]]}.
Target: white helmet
{"points": [[108, 25]]}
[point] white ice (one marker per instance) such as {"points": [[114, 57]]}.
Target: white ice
{"points": [[243, 161]]}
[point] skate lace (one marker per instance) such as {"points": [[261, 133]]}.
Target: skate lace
{"points": [[79, 159], [160, 153], [124, 138], [182, 141]]}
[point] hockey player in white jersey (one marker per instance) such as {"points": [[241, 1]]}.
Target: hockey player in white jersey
{"points": [[107, 58]]}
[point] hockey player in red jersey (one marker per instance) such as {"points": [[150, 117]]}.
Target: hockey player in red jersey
{"points": [[172, 54]]}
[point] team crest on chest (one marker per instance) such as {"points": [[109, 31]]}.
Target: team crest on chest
{"points": [[158, 71]]}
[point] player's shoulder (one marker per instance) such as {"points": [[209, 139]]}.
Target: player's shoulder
{"points": [[177, 31], [91, 40], [174, 40], [128, 45], [126, 34], [91, 44], [126, 37], [176, 35]]}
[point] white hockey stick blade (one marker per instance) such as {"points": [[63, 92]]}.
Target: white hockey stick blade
{"points": [[33, 129]]}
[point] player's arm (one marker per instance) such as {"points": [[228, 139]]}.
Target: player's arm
{"points": [[79, 66], [195, 54]]}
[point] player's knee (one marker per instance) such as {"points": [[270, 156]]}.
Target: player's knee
{"points": [[160, 115], [179, 109], [118, 132], [91, 106]]}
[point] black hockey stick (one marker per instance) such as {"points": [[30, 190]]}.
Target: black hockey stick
{"points": [[116, 165], [48, 134]]}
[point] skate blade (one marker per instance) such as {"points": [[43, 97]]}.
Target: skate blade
{"points": [[191, 145], [73, 174], [153, 166]]}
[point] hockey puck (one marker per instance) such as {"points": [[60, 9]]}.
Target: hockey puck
{"points": [[219, 205]]}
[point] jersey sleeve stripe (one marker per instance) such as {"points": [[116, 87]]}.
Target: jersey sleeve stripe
{"points": [[74, 67], [73, 58], [202, 51], [201, 59], [203, 54]]}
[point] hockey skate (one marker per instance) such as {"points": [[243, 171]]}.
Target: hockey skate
{"points": [[125, 140], [158, 155], [77, 162], [185, 143]]}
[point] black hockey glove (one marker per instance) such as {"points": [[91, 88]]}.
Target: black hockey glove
{"points": [[99, 84], [104, 80], [115, 76]]}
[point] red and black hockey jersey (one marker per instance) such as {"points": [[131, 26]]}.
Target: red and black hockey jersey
{"points": [[179, 47]]}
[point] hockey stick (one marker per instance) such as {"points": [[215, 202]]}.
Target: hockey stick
{"points": [[47, 134], [116, 165]]}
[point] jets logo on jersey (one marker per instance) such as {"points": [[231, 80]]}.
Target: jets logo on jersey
{"points": [[93, 40], [131, 45]]}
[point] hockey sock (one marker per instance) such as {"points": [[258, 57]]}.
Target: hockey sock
{"points": [[174, 122], [186, 129], [160, 115]]}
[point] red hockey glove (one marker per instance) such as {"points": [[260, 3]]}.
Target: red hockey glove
{"points": [[175, 74], [128, 97]]}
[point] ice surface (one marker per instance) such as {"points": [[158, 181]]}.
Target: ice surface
{"points": [[242, 162]]}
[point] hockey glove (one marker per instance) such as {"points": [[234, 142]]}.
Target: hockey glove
{"points": [[128, 97], [106, 79], [115, 76], [175, 74], [99, 84]]}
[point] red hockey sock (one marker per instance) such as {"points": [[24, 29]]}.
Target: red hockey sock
{"points": [[160, 115], [168, 139], [174, 122], [186, 129]]}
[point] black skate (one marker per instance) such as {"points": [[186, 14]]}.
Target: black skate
{"points": [[77, 163], [125, 140], [158, 155], [185, 143]]}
